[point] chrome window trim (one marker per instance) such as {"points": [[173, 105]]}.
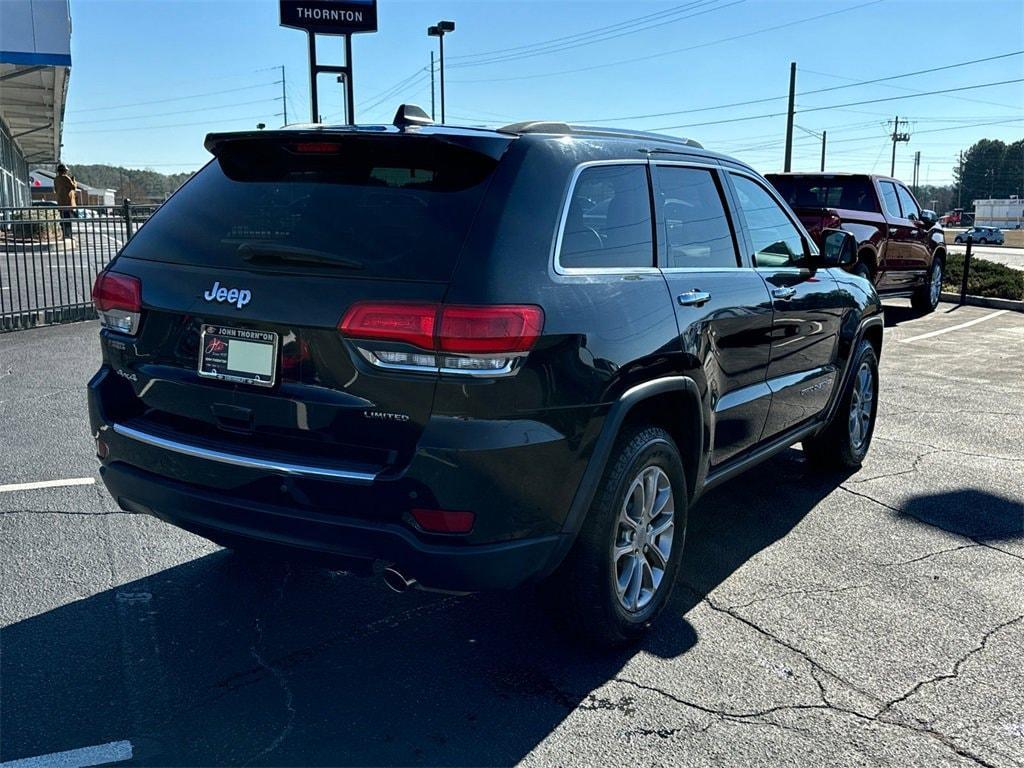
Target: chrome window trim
{"points": [[239, 460], [556, 248]]}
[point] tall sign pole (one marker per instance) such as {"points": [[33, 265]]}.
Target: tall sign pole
{"points": [[330, 17]]}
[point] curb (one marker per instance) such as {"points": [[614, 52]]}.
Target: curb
{"points": [[984, 301]]}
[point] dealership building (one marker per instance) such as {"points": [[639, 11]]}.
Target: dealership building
{"points": [[35, 63]]}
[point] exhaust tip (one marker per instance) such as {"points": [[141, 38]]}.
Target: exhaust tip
{"points": [[396, 581]]}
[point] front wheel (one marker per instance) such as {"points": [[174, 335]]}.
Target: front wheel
{"points": [[926, 298], [621, 570], [844, 443], [983, 241]]}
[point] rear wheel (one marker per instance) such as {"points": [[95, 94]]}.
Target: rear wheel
{"points": [[861, 269], [926, 298], [983, 241], [621, 570], [844, 443]]}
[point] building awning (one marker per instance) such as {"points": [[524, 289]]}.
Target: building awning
{"points": [[32, 100]]}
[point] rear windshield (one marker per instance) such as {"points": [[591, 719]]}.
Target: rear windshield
{"points": [[852, 193], [363, 208]]}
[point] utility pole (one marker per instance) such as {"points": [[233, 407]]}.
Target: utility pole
{"points": [[284, 96], [917, 170], [896, 138], [824, 138], [788, 165], [960, 182], [432, 86]]}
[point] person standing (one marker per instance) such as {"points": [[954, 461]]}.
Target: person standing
{"points": [[66, 189]]}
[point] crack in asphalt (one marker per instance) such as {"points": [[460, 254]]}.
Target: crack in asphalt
{"points": [[955, 671], [277, 674], [883, 716], [940, 449], [916, 467], [928, 556], [921, 520], [801, 591]]}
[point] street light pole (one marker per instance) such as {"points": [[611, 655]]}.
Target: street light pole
{"points": [[439, 31]]}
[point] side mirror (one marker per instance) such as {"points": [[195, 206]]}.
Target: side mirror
{"points": [[929, 218], [838, 248]]}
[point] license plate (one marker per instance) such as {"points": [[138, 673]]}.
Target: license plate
{"points": [[238, 355]]}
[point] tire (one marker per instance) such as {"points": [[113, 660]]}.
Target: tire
{"points": [[842, 445], [584, 593], [958, 240], [926, 298], [983, 241]]}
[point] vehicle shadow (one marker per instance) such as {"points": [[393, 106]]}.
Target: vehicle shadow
{"points": [[894, 314], [222, 661], [970, 512]]}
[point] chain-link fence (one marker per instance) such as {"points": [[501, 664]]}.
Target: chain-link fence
{"points": [[50, 256]]}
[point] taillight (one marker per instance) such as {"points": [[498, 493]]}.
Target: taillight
{"points": [[484, 340], [118, 300]]}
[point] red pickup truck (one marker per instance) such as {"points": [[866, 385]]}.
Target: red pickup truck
{"points": [[900, 247]]}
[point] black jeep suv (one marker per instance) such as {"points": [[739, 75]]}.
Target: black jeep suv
{"points": [[474, 358]]}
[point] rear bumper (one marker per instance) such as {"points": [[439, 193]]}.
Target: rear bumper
{"points": [[221, 518], [511, 474]]}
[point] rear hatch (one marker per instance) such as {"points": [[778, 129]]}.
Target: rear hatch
{"points": [[269, 245]]}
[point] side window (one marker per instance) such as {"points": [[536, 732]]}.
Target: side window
{"points": [[777, 241], [889, 199], [910, 209], [696, 230], [609, 220]]}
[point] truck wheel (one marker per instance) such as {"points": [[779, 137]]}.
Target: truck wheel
{"points": [[844, 443], [621, 570], [862, 270], [926, 298]]}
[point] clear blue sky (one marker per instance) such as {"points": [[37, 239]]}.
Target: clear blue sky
{"points": [[211, 65]]}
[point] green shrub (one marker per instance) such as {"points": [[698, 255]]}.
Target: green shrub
{"points": [[36, 224], [987, 278]]}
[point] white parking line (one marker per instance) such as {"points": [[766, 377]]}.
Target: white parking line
{"points": [[46, 484], [955, 327], [102, 754]]}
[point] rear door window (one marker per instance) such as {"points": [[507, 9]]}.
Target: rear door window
{"points": [[890, 200], [608, 224], [907, 203], [394, 208], [693, 224]]}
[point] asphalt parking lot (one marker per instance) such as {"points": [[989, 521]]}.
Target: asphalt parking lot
{"points": [[870, 619]]}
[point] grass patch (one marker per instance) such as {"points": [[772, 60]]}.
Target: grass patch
{"points": [[987, 278]]}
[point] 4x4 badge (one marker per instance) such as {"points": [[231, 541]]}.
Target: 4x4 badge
{"points": [[237, 296]]}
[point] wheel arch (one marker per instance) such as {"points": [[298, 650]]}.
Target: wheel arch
{"points": [[869, 256], [654, 402]]}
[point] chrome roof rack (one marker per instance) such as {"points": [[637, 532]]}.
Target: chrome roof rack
{"points": [[547, 126]]}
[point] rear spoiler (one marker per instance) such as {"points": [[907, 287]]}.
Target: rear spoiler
{"points": [[488, 143]]}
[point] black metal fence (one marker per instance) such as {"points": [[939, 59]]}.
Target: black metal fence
{"points": [[50, 256]]}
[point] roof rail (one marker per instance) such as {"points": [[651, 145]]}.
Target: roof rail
{"points": [[546, 126]]}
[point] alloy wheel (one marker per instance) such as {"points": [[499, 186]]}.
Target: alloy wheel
{"points": [[862, 406], [935, 288], [643, 538]]}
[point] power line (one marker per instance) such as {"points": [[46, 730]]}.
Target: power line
{"points": [[576, 36], [836, 106], [180, 125], [178, 112], [674, 50], [804, 93], [180, 98], [565, 47]]}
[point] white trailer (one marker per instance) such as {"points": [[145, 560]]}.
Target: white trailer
{"points": [[1005, 214]]}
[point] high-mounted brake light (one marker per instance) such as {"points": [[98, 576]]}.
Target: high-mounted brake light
{"points": [[316, 148], [482, 340], [118, 300]]}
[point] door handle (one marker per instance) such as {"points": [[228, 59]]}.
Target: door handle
{"points": [[694, 298], [783, 293]]}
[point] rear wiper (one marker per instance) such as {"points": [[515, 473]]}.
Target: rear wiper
{"points": [[274, 252]]}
